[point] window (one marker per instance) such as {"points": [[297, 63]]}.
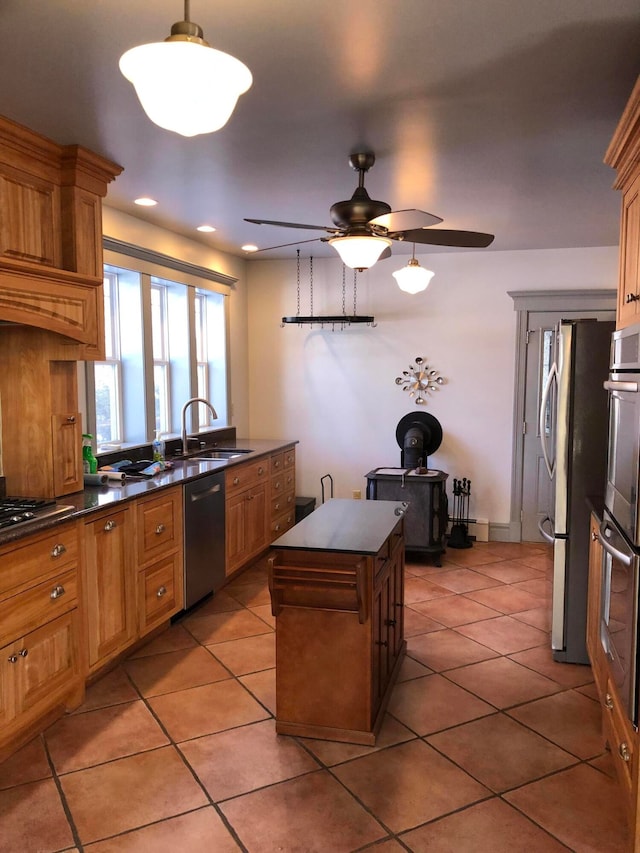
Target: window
{"points": [[165, 343]]}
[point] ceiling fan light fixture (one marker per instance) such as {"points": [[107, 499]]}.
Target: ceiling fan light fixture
{"points": [[183, 84], [413, 278], [360, 252]]}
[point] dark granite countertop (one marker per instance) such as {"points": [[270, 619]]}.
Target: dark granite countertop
{"points": [[96, 498], [345, 526]]}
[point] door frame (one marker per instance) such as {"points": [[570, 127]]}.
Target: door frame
{"points": [[524, 303]]}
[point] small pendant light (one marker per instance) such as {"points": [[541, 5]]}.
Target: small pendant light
{"points": [[413, 278]]}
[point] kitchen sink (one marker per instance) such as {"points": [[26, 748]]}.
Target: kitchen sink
{"points": [[218, 454]]}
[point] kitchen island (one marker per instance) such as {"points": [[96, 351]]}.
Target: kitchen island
{"points": [[337, 588]]}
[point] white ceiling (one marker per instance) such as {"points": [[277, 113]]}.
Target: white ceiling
{"points": [[493, 114]]}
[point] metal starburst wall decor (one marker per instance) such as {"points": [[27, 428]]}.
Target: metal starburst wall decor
{"points": [[420, 380]]}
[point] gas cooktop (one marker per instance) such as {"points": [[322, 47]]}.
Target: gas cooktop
{"points": [[19, 510]]}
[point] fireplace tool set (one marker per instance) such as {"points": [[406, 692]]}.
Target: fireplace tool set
{"points": [[459, 535]]}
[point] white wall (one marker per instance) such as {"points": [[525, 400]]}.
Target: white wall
{"points": [[336, 391]]}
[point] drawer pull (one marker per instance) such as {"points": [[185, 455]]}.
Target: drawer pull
{"points": [[13, 658], [260, 471], [161, 591], [277, 506], [57, 591], [160, 529], [71, 419], [110, 525], [631, 297], [277, 485], [390, 622], [58, 550], [24, 652], [624, 752], [276, 528], [594, 536], [276, 464], [608, 702], [382, 642], [236, 481]]}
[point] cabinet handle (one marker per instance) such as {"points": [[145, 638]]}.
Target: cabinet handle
{"points": [[13, 658], [382, 642], [57, 591], [24, 652], [624, 752], [277, 507], [390, 622], [276, 528], [277, 485], [594, 536], [608, 702], [276, 464], [71, 419], [236, 480], [161, 591], [110, 525], [260, 471], [58, 550], [160, 529], [632, 297]]}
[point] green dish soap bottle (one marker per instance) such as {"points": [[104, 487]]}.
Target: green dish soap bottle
{"points": [[89, 461], [158, 447]]}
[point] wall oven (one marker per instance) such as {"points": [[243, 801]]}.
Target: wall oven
{"points": [[620, 528]]}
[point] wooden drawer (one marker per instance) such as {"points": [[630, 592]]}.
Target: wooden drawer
{"points": [[277, 463], [27, 564], [289, 457], [282, 503], [282, 483], [159, 524], [160, 592], [243, 476], [283, 523], [620, 736], [22, 613]]}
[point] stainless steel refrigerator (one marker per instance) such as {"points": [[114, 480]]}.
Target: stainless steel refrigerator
{"points": [[573, 430]]}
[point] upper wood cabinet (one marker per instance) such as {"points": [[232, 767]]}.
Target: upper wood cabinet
{"points": [[51, 235], [623, 155]]}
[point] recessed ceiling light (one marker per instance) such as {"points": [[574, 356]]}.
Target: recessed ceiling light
{"points": [[249, 247], [206, 229], [145, 202]]}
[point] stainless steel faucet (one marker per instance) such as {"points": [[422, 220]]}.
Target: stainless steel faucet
{"points": [[183, 420]]}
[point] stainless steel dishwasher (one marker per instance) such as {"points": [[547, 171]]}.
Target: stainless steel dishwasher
{"points": [[203, 537]]}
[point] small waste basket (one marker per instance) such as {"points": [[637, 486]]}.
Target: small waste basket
{"points": [[304, 507]]}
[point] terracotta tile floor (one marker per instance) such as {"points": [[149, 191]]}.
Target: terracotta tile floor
{"points": [[488, 744]]}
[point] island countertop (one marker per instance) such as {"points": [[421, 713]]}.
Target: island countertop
{"points": [[345, 526]]}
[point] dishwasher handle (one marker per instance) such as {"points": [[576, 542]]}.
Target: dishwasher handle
{"points": [[205, 493], [549, 537]]}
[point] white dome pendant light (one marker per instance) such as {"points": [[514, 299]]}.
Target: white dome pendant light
{"points": [[413, 278], [184, 84]]}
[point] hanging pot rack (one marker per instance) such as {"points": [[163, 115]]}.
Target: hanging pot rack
{"points": [[340, 320]]}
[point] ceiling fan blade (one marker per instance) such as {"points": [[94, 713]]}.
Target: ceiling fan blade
{"points": [[405, 220], [290, 225], [445, 237], [284, 245]]}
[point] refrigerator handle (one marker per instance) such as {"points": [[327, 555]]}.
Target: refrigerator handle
{"points": [[549, 537], [625, 559], [617, 385], [551, 466]]}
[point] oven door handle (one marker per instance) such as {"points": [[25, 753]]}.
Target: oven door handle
{"points": [[617, 385], [551, 466], [625, 559], [549, 537]]}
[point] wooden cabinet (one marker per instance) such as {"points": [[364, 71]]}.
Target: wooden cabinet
{"points": [[51, 235], [41, 422], [109, 581], [160, 577], [246, 513], [42, 665], [339, 622], [260, 505], [623, 155], [282, 486]]}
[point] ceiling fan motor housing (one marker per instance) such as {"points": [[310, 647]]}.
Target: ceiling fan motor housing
{"points": [[358, 210]]}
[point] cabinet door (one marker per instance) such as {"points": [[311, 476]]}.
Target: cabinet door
{"points": [[234, 531], [160, 588], [383, 594], [629, 285], [48, 663], [110, 585], [8, 668], [66, 438], [257, 531], [246, 525]]}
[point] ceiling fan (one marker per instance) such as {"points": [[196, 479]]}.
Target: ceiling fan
{"points": [[363, 229]]}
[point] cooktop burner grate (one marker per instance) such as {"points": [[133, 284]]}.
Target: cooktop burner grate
{"points": [[21, 510]]}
